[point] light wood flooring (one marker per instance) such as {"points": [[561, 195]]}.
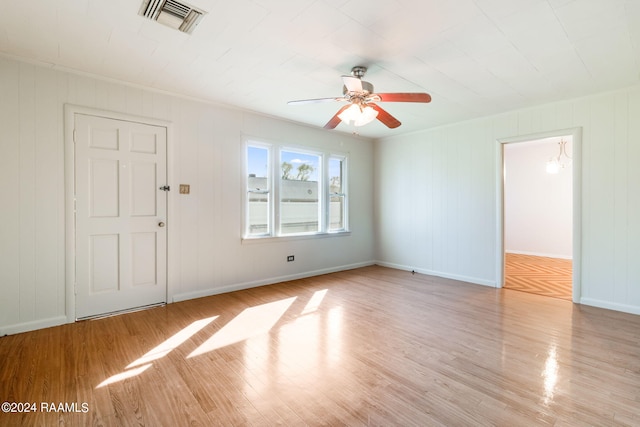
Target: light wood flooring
{"points": [[372, 346], [546, 276]]}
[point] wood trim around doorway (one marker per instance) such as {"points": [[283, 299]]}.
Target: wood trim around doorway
{"points": [[576, 134]]}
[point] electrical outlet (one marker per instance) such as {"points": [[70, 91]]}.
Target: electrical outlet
{"points": [[291, 258]]}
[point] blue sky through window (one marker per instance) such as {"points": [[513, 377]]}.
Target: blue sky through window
{"points": [[258, 162], [297, 159]]}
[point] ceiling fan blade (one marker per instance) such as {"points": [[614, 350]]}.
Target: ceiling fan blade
{"points": [[314, 101], [335, 120], [386, 118], [401, 97], [353, 84]]}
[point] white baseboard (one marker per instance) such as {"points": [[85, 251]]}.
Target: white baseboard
{"points": [[559, 256], [61, 320], [33, 325], [474, 280], [632, 309], [263, 282]]}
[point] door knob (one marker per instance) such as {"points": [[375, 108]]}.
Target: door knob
{"points": [[161, 224]]}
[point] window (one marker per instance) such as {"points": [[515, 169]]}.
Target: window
{"points": [[292, 191], [258, 191], [337, 195], [300, 199]]}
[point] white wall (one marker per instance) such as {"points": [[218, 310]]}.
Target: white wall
{"points": [[435, 194], [537, 205], [436, 197], [206, 254]]}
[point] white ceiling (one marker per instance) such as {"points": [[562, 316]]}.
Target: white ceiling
{"points": [[475, 57]]}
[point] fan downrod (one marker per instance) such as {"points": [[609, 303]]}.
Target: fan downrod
{"points": [[358, 71]]}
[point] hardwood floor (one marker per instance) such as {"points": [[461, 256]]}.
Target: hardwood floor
{"points": [[372, 346], [546, 276]]}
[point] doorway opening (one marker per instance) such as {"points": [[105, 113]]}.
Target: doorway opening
{"points": [[540, 215]]}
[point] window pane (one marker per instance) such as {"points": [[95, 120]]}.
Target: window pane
{"points": [[258, 196], [336, 198], [258, 214], [336, 213], [335, 176], [299, 192]]}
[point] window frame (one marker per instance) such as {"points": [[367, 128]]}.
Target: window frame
{"points": [[274, 150], [344, 194], [270, 190]]}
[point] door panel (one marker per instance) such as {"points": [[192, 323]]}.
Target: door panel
{"points": [[144, 188], [104, 263], [104, 188], [143, 269], [121, 249]]}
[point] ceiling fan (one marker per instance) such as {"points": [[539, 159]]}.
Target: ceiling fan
{"points": [[361, 99]]}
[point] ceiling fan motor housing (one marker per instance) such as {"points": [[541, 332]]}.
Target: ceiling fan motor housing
{"points": [[366, 87]]}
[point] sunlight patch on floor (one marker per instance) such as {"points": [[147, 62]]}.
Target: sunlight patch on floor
{"points": [[314, 302], [124, 375], [251, 322], [173, 342]]}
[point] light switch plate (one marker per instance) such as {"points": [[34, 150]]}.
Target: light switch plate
{"points": [[185, 188]]}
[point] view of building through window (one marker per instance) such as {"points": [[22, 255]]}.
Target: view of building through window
{"points": [[336, 195], [259, 191], [299, 192], [300, 188]]}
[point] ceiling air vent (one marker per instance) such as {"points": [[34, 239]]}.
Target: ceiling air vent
{"points": [[180, 16]]}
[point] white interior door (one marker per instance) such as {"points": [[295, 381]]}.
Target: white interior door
{"points": [[121, 215]]}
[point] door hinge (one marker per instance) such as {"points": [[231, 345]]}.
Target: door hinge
{"points": [[74, 136], [165, 188]]}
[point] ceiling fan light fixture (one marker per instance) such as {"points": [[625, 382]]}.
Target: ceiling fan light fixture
{"points": [[359, 115], [350, 114], [362, 107], [367, 115]]}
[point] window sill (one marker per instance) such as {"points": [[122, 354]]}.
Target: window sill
{"points": [[293, 237]]}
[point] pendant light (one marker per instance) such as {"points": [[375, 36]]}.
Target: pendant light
{"points": [[561, 161]]}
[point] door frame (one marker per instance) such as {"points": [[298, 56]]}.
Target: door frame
{"points": [[70, 111], [576, 134]]}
